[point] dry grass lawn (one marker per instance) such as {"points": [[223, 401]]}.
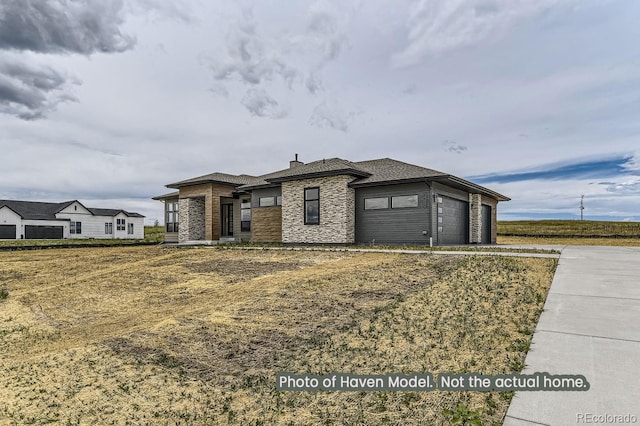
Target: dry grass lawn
{"points": [[570, 241], [149, 335]]}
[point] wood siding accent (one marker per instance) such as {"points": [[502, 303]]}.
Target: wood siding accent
{"points": [[212, 193], [266, 225], [403, 225]]}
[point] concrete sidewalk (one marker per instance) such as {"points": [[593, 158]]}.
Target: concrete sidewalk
{"points": [[590, 326]]}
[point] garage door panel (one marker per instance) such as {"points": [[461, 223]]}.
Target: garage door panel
{"points": [[7, 232], [454, 227], [486, 224], [41, 232]]}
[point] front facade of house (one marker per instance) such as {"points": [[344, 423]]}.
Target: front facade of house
{"points": [[71, 219], [333, 201]]}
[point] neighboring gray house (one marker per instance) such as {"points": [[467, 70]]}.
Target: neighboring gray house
{"points": [[70, 219], [333, 201]]}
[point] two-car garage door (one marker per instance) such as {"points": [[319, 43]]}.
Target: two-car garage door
{"points": [[33, 232]]}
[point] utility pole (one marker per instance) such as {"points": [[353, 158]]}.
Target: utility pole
{"points": [[581, 207]]}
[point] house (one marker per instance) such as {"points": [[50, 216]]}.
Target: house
{"points": [[71, 219], [333, 201]]}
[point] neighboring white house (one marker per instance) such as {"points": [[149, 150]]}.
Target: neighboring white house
{"points": [[71, 219]]}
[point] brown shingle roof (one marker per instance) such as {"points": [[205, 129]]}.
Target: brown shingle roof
{"points": [[389, 170], [325, 167], [366, 173], [218, 177]]}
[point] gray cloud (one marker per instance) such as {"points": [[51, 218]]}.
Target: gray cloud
{"points": [[260, 57], [252, 57], [62, 26], [624, 188], [452, 146], [260, 104], [326, 115], [31, 91], [436, 26]]}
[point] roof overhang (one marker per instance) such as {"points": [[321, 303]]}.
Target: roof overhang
{"points": [[350, 172], [166, 196], [389, 182], [178, 185], [465, 185]]}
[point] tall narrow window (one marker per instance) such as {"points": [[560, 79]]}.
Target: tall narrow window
{"points": [[312, 206], [171, 217], [245, 215], [108, 228], [130, 229]]}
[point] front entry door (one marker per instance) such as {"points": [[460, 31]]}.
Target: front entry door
{"points": [[227, 220]]}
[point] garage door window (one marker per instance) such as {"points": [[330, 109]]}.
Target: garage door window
{"points": [[75, 228], [376, 203], [404, 201]]}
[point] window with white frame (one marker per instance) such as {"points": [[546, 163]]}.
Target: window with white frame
{"points": [[130, 228], [120, 224], [75, 228], [108, 228]]}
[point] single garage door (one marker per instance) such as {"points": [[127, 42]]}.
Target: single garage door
{"points": [[454, 228], [486, 224], [7, 232], [33, 232]]}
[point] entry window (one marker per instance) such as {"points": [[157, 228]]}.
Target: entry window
{"points": [[245, 216], [120, 224], [130, 229], [376, 203], [75, 228], [404, 201], [171, 217], [312, 206], [267, 201], [108, 228]]}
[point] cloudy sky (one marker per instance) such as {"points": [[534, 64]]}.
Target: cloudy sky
{"points": [[108, 101]]}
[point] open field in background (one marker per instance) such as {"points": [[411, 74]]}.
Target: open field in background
{"points": [[569, 232], [197, 336]]}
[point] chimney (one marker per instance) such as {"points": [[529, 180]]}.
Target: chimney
{"points": [[295, 163]]}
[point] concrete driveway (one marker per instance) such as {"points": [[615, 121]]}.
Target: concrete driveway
{"points": [[590, 326]]}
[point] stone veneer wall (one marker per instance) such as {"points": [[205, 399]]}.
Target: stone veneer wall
{"points": [[266, 224], [192, 219], [494, 217], [337, 211], [211, 193], [475, 218]]}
